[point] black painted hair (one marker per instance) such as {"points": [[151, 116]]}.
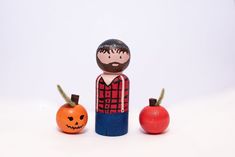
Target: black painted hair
{"points": [[110, 44]]}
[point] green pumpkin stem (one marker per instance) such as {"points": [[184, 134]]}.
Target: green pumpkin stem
{"points": [[66, 98]]}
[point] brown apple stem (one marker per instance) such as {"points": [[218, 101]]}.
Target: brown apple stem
{"points": [[152, 102], [66, 98]]}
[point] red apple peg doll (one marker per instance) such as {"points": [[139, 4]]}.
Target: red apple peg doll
{"points": [[154, 119]]}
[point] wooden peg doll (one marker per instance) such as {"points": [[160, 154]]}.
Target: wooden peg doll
{"points": [[112, 88]]}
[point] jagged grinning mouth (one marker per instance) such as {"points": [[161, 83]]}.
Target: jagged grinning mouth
{"points": [[74, 127]]}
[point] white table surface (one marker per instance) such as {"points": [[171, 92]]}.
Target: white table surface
{"points": [[204, 127]]}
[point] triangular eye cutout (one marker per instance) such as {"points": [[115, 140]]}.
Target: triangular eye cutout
{"points": [[81, 117]]}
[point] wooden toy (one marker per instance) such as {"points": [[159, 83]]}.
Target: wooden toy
{"points": [[112, 88], [71, 117], [154, 119]]}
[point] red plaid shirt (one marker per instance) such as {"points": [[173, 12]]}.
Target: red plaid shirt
{"points": [[113, 98]]}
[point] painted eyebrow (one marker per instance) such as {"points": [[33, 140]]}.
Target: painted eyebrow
{"points": [[118, 51], [121, 51], [104, 51]]}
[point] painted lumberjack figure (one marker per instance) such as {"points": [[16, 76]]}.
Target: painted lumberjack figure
{"points": [[112, 88]]}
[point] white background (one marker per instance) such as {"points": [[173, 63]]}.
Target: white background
{"points": [[186, 46]]}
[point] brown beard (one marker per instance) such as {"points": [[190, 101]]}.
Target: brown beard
{"points": [[110, 68]]}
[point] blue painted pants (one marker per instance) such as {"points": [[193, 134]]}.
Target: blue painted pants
{"points": [[115, 124]]}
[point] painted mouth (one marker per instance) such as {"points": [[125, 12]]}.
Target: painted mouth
{"points": [[74, 127], [115, 64]]}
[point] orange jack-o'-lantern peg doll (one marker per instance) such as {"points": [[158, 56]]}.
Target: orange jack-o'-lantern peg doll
{"points": [[112, 88], [71, 117]]}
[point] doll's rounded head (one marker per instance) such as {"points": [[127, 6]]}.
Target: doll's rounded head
{"points": [[113, 56]]}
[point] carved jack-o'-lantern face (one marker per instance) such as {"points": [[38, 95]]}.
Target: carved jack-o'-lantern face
{"points": [[71, 117]]}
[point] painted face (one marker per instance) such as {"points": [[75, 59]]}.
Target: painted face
{"points": [[113, 60], [71, 119]]}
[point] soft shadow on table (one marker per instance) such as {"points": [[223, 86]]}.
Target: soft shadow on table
{"points": [[143, 132], [83, 132]]}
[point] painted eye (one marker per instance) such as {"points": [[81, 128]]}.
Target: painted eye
{"points": [[70, 118], [120, 57], [81, 117], [109, 57]]}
